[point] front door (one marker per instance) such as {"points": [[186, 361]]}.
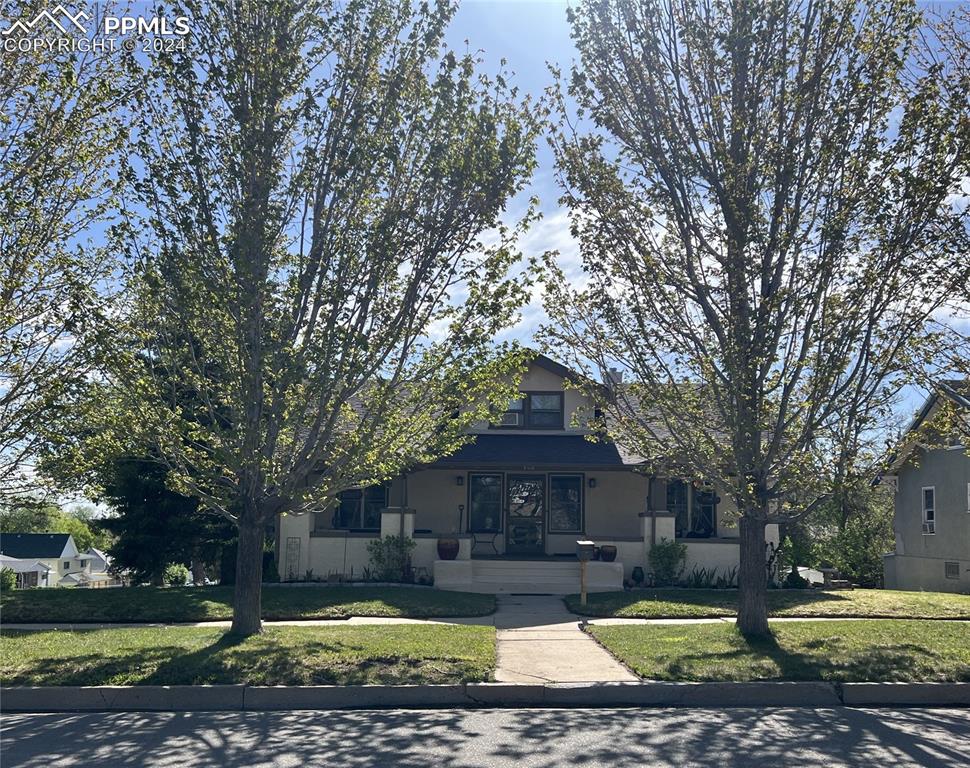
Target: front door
{"points": [[526, 514]]}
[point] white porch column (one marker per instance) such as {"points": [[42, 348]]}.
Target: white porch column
{"points": [[771, 534], [656, 525], [397, 521]]}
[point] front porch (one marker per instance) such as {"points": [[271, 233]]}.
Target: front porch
{"points": [[341, 555]]}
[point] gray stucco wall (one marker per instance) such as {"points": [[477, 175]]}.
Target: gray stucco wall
{"points": [[919, 561]]}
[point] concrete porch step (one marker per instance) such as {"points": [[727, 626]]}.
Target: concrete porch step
{"points": [[525, 576], [517, 588]]}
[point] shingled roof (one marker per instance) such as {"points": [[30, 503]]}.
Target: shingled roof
{"points": [[33, 545], [535, 451], [955, 390]]}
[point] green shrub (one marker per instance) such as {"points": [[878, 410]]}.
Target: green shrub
{"points": [[175, 575], [710, 578], [667, 560], [728, 579], [700, 578], [8, 580], [390, 558]]}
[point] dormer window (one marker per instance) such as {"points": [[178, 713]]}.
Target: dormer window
{"points": [[535, 410]]}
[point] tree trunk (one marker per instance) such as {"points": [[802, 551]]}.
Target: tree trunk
{"points": [[198, 567], [752, 579], [246, 608]]}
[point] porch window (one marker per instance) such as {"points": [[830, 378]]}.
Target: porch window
{"points": [[565, 503], [677, 504], [360, 508], [536, 410], [485, 503], [703, 514]]}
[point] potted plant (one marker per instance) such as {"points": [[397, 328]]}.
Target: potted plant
{"points": [[448, 548], [607, 553]]}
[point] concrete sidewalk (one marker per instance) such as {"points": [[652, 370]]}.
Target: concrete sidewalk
{"points": [[539, 641], [544, 614]]}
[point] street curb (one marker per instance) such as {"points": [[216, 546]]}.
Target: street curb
{"points": [[240, 698]]}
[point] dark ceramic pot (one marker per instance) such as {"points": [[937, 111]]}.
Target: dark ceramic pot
{"points": [[448, 548], [607, 553]]}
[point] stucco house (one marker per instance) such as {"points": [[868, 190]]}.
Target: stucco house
{"points": [[518, 498], [930, 475]]}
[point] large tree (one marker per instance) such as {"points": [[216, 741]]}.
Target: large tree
{"points": [[321, 267], [60, 129], [764, 221]]}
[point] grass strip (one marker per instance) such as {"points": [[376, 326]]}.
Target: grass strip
{"points": [[880, 650], [157, 604], [396, 655], [678, 603]]}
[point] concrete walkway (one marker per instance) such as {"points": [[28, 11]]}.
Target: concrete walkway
{"points": [[539, 641]]}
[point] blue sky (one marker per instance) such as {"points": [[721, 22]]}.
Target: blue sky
{"points": [[529, 35]]}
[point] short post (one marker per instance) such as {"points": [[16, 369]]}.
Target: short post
{"points": [[584, 551]]}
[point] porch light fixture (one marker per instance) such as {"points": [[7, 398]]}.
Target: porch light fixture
{"points": [[460, 480], [592, 482]]}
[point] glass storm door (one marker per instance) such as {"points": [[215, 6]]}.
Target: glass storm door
{"points": [[526, 514]]}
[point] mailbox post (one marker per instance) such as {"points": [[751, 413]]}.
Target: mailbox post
{"points": [[584, 551]]}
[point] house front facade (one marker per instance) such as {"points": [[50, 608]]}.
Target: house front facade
{"points": [[931, 481], [517, 499], [57, 552]]}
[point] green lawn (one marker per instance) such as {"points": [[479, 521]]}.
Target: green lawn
{"points": [[396, 654], [846, 651], [147, 604], [704, 603]]}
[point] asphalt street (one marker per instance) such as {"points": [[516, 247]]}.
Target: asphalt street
{"points": [[499, 737]]}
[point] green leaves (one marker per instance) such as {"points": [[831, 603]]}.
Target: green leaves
{"points": [[60, 134], [765, 221], [321, 269]]}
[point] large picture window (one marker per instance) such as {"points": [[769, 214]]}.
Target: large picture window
{"points": [[566, 503], [536, 410], [677, 505], [485, 503], [695, 513], [703, 514], [361, 508]]}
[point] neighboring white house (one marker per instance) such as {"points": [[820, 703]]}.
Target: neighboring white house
{"points": [[57, 551], [517, 499], [30, 573], [931, 479]]}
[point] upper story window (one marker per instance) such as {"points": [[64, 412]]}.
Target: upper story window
{"points": [[535, 410]]}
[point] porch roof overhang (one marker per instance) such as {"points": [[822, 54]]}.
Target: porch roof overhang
{"points": [[535, 452]]}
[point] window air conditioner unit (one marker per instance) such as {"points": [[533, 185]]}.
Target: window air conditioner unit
{"points": [[511, 419], [929, 526]]}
